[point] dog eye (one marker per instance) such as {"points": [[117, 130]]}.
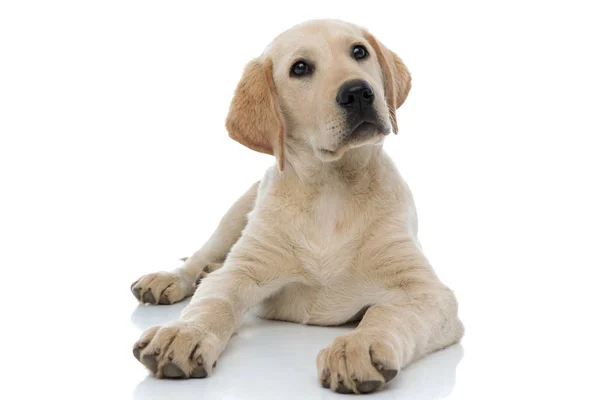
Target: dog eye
{"points": [[300, 68], [359, 52]]}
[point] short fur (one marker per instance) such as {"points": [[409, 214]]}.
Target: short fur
{"points": [[328, 236]]}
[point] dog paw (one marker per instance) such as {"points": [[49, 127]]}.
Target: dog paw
{"points": [[180, 350], [358, 362], [161, 288]]}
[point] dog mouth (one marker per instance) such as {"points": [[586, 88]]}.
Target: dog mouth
{"points": [[362, 133], [364, 128]]}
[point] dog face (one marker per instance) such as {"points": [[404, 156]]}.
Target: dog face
{"points": [[325, 84]]}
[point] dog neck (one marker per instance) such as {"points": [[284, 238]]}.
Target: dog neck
{"points": [[355, 167]]}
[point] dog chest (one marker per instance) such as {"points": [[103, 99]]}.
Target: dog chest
{"points": [[328, 229]]}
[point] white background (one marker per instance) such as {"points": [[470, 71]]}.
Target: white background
{"points": [[114, 162]]}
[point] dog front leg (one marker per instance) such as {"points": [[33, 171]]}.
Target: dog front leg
{"points": [[415, 316], [169, 287], [189, 347]]}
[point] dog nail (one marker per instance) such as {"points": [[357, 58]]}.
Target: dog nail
{"points": [[172, 371], [149, 297], [341, 388], [199, 372], [368, 386], [163, 299], [136, 292], [149, 360], [389, 374]]}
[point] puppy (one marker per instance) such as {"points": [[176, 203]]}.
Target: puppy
{"points": [[329, 235]]}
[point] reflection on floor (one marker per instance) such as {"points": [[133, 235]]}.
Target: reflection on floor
{"points": [[270, 359]]}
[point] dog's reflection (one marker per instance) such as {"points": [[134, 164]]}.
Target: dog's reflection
{"points": [[433, 377], [146, 316], [248, 377]]}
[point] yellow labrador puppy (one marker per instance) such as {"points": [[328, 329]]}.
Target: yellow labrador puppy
{"points": [[329, 235]]}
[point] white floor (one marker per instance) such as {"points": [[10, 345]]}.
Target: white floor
{"points": [[275, 360]]}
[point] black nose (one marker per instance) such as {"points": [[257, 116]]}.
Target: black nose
{"points": [[355, 95]]}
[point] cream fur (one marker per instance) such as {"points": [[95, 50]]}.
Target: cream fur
{"points": [[328, 237]]}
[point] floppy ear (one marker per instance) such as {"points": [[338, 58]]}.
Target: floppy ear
{"points": [[397, 80], [254, 117]]}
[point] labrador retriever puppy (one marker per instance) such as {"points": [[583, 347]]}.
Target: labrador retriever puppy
{"points": [[328, 236]]}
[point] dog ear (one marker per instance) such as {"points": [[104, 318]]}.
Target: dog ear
{"points": [[397, 80], [254, 118]]}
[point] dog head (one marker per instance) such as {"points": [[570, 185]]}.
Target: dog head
{"points": [[325, 84]]}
